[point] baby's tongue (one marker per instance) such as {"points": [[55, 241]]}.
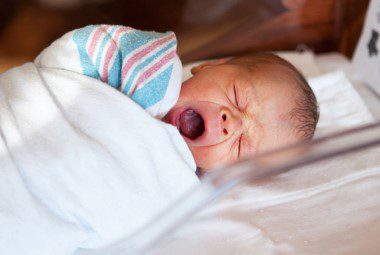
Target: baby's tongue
{"points": [[191, 124]]}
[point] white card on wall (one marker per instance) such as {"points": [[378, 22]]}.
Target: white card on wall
{"points": [[367, 53]]}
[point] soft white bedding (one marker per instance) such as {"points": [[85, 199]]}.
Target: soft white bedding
{"points": [[328, 208], [330, 62], [70, 148]]}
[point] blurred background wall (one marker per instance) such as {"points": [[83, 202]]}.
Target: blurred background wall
{"points": [[205, 28]]}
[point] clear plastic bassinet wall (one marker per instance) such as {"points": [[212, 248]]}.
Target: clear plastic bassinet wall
{"points": [[319, 198], [330, 205]]}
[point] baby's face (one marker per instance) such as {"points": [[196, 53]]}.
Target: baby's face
{"points": [[226, 112]]}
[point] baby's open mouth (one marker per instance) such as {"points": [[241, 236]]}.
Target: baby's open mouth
{"points": [[191, 124], [199, 123]]}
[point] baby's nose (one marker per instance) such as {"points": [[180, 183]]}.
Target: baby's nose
{"points": [[230, 123]]}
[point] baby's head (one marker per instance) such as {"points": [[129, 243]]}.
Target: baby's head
{"points": [[231, 109]]}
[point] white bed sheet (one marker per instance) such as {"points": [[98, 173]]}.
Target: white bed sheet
{"points": [[334, 61]]}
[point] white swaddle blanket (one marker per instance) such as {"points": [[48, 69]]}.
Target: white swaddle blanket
{"points": [[81, 164]]}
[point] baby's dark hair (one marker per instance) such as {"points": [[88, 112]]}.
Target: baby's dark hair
{"points": [[306, 113]]}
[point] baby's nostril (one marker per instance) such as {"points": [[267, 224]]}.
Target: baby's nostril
{"points": [[224, 117], [225, 131]]}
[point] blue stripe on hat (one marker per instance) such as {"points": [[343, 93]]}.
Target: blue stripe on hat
{"points": [[154, 90], [81, 37], [114, 75]]}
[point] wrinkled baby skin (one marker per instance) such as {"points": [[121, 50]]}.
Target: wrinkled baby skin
{"points": [[227, 112]]}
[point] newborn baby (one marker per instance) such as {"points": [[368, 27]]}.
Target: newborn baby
{"points": [[228, 110], [231, 109]]}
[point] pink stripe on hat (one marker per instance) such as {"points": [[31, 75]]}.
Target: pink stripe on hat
{"points": [[107, 60], [153, 69], [111, 50], [93, 43], [95, 39]]}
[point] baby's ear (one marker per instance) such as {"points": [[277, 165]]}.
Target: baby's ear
{"points": [[206, 64]]}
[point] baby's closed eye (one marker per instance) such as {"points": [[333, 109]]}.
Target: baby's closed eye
{"points": [[240, 145], [237, 146], [236, 97]]}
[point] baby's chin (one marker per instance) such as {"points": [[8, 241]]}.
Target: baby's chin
{"points": [[208, 164]]}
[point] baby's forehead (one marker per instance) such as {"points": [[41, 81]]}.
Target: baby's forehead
{"points": [[264, 63], [276, 76], [272, 69]]}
